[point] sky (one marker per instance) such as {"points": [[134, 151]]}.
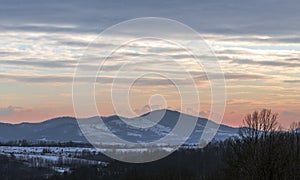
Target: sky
{"points": [[257, 44]]}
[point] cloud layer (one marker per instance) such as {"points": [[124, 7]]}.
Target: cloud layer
{"points": [[257, 44]]}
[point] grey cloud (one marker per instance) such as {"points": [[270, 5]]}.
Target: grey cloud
{"points": [[146, 108], [245, 76], [232, 76], [203, 114], [263, 17], [293, 59], [6, 111], [38, 79], [291, 81], [73, 43], [289, 39], [6, 53], [45, 28], [274, 39], [41, 63], [163, 50], [289, 113], [197, 76], [266, 63], [69, 79], [231, 51]]}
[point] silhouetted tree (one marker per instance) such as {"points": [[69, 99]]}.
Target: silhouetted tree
{"points": [[262, 151]]}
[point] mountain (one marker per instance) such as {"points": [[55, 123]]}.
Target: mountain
{"points": [[66, 129], [61, 129]]}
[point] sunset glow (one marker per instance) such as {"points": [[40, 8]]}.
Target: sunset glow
{"points": [[39, 54]]}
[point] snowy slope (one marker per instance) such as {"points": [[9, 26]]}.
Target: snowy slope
{"points": [[65, 129]]}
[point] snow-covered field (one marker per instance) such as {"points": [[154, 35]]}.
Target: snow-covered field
{"points": [[60, 159], [63, 159], [67, 151], [36, 150]]}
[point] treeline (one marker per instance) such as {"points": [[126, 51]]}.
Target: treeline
{"points": [[26, 143], [274, 156], [271, 156], [263, 150], [13, 169]]}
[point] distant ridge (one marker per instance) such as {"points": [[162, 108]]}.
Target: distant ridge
{"points": [[64, 129]]}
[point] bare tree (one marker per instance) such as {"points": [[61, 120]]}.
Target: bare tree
{"points": [[260, 123], [264, 151], [295, 126]]}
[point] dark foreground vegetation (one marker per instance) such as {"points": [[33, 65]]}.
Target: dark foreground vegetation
{"points": [[274, 156], [11, 168], [262, 151]]}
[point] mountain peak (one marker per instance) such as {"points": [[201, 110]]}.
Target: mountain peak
{"points": [[64, 129], [167, 111]]}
